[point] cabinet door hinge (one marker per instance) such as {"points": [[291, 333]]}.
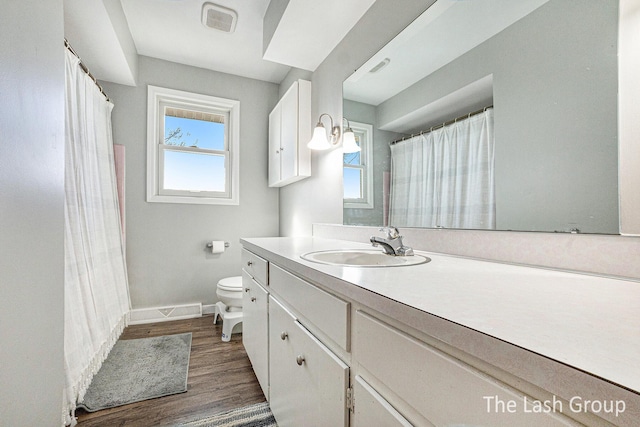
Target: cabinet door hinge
{"points": [[350, 399]]}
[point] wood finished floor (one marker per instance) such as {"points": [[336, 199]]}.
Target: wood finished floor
{"points": [[220, 378]]}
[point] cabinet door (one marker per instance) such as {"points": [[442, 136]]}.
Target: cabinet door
{"points": [[289, 135], [371, 409], [255, 331], [274, 144], [308, 382]]}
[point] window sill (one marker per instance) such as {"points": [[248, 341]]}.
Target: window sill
{"points": [[193, 200], [357, 205]]}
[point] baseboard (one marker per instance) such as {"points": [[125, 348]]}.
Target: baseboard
{"points": [[208, 309], [163, 314]]}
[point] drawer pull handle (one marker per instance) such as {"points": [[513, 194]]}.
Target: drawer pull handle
{"points": [[283, 335], [300, 360], [253, 299], [249, 263]]}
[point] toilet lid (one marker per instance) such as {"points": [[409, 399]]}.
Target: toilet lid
{"points": [[231, 283]]}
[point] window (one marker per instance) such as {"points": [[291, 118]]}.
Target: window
{"points": [[192, 148], [358, 175]]}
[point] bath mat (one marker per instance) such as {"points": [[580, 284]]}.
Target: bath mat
{"points": [[258, 415], [138, 370]]}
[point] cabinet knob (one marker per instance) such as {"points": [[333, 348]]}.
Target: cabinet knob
{"points": [[300, 360], [249, 263], [247, 289], [283, 335], [253, 299]]}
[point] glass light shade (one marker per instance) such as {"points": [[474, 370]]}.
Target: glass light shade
{"points": [[319, 140], [349, 144]]}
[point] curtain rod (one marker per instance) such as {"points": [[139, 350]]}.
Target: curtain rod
{"points": [[432, 128], [85, 69]]}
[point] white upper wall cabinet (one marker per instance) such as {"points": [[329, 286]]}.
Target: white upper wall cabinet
{"points": [[289, 133]]}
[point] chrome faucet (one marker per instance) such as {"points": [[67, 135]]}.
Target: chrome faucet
{"points": [[392, 243]]}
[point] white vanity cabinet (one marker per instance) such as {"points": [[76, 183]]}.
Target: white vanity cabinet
{"points": [[255, 316], [440, 388], [289, 133], [305, 382], [340, 355], [308, 383]]}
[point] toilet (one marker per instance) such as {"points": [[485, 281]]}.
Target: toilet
{"points": [[229, 306]]}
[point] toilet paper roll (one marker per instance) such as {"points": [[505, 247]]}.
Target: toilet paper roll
{"points": [[217, 247]]}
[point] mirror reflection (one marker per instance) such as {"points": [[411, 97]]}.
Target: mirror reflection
{"points": [[489, 114]]}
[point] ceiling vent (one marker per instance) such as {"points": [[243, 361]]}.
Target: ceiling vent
{"points": [[219, 17], [380, 66]]}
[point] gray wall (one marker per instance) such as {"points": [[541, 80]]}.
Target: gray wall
{"points": [[381, 23], [555, 103], [166, 257], [293, 75], [271, 20], [31, 213]]}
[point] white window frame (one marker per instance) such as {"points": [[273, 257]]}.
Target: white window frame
{"points": [[366, 160], [157, 99]]}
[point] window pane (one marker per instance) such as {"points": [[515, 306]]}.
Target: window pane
{"points": [[193, 171], [193, 133], [352, 158], [352, 183]]}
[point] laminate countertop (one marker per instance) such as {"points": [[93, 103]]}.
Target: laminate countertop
{"points": [[586, 322]]}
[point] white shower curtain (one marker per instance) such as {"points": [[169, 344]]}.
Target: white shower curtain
{"points": [[96, 290], [445, 178]]}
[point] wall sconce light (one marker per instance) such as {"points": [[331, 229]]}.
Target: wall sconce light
{"points": [[349, 144], [319, 141]]}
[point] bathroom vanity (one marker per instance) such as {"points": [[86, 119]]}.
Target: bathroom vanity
{"points": [[453, 341]]}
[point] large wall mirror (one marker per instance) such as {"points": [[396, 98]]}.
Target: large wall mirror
{"points": [[548, 70]]}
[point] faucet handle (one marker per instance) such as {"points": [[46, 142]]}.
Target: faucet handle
{"points": [[391, 232]]}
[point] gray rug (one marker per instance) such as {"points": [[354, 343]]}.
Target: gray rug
{"points": [[138, 370], [258, 415]]}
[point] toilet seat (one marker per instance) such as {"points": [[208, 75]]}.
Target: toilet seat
{"points": [[232, 284]]}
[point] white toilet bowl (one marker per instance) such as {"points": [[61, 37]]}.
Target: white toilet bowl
{"points": [[229, 306], [229, 291]]}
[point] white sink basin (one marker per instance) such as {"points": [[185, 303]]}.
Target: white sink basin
{"points": [[363, 258]]}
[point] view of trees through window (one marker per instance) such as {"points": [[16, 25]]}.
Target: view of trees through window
{"points": [[201, 166]]}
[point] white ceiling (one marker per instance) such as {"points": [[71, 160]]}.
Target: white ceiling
{"points": [[99, 33], [309, 30], [109, 34], [429, 43]]}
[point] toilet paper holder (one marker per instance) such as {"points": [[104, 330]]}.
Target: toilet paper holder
{"points": [[210, 245]]}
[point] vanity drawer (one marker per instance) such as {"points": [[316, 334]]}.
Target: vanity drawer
{"points": [[441, 388], [257, 267], [324, 311]]}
